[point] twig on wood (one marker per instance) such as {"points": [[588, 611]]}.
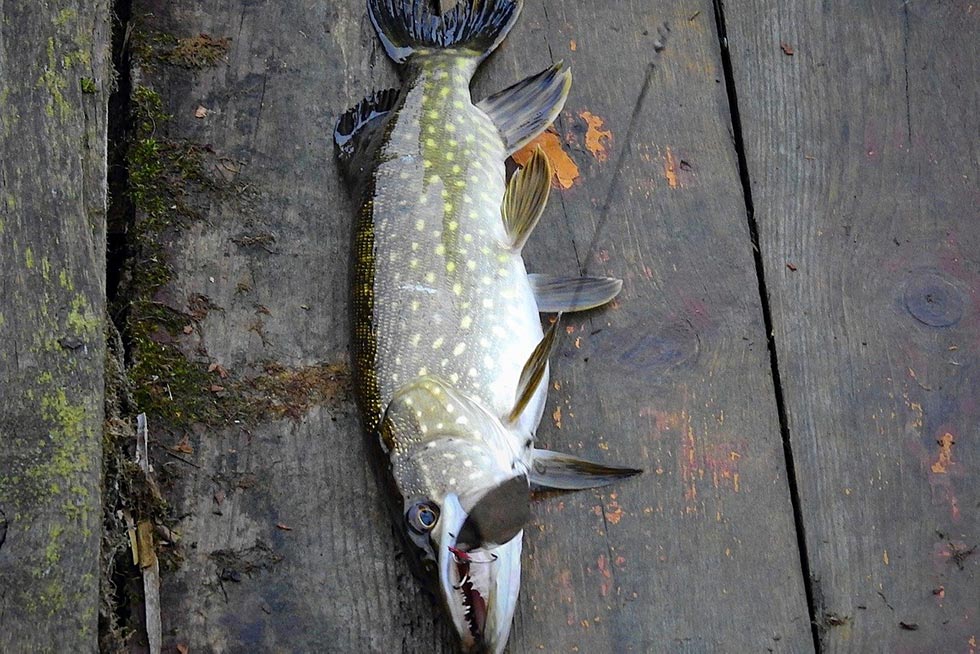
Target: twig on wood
{"points": [[145, 551]]}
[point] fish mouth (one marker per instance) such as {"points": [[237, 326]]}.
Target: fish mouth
{"points": [[479, 586], [474, 602]]}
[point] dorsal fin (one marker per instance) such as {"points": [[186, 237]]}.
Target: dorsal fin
{"points": [[525, 198], [533, 372], [357, 125], [524, 110]]}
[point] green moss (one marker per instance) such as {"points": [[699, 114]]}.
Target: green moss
{"points": [[201, 51], [81, 319], [55, 84], [29, 258], [170, 388], [89, 86], [65, 16], [52, 553], [77, 58]]}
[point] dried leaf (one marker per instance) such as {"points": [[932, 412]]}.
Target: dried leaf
{"points": [[184, 446], [218, 368], [280, 525], [201, 112], [787, 49]]}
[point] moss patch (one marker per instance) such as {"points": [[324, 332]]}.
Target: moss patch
{"points": [[201, 51], [177, 391]]}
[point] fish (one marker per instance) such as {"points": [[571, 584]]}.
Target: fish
{"points": [[450, 356]]}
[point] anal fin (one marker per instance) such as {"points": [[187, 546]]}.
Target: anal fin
{"points": [[354, 129], [567, 294], [524, 110], [533, 372], [525, 198], [553, 470]]}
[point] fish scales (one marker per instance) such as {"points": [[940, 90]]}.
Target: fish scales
{"points": [[450, 297]]}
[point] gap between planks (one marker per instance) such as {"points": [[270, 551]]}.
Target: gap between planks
{"points": [[743, 173]]}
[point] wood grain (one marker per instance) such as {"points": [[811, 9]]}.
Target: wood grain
{"points": [[54, 85], [286, 541], [862, 153]]}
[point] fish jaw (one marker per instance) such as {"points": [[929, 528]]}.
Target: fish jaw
{"points": [[478, 588]]}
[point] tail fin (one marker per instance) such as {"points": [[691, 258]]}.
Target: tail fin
{"points": [[406, 26]]}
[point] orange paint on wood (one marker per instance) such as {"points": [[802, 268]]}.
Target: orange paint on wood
{"points": [[596, 138], [670, 170], [945, 460], [614, 512], [566, 172], [606, 584]]}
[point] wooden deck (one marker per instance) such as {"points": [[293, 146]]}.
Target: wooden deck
{"points": [[790, 192]]}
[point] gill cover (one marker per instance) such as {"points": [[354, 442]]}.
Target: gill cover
{"points": [[441, 442]]}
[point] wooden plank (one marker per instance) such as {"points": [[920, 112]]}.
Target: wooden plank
{"points": [[862, 152], [53, 95], [698, 554]]}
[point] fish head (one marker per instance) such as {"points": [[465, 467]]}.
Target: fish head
{"points": [[463, 493]]}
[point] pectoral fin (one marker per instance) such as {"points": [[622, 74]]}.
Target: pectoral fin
{"points": [[524, 110], [525, 198], [572, 293], [553, 470], [533, 372]]}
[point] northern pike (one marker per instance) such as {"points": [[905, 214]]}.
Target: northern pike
{"points": [[451, 360]]}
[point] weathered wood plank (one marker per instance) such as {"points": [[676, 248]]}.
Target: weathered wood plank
{"points": [[674, 378], [54, 85], [862, 151]]}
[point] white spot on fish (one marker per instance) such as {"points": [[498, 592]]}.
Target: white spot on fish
{"points": [[459, 349], [436, 344]]}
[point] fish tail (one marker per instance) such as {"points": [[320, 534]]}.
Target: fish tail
{"points": [[409, 27]]}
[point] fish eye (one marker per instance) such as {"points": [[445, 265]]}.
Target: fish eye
{"points": [[422, 517]]}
